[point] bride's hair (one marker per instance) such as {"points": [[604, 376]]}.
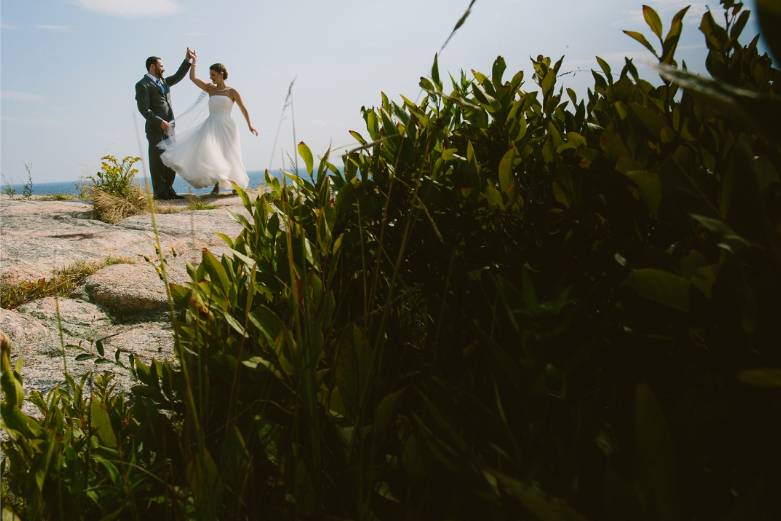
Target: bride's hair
{"points": [[220, 69]]}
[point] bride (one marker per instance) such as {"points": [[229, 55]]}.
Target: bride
{"points": [[210, 153]]}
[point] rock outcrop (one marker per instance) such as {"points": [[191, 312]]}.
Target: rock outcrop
{"points": [[123, 304]]}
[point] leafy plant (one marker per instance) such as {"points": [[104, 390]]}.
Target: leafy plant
{"points": [[86, 454], [27, 188], [115, 178], [508, 304], [113, 192]]}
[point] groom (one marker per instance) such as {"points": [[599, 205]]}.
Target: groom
{"points": [[153, 97]]}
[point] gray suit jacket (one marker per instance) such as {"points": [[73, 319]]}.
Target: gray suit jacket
{"points": [[155, 105]]}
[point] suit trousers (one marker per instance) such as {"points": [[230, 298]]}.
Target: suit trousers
{"points": [[162, 176]]}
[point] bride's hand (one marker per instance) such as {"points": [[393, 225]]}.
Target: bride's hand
{"points": [[253, 130]]}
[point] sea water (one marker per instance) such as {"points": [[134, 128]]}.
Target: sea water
{"points": [[180, 185]]}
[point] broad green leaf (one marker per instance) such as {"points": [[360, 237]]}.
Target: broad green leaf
{"points": [[769, 12], [640, 38], [306, 155], [359, 138], [572, 96], [497, 71], [653, 20], [655, 455], [649, 187], [704, 278], [204, 479], [102, 423], [13, 392], [371, 125], [729, 240], [413, 459], [651, 118], [385, 412], [541, 506], [605, 68], [715, 35], [215, 270], [769, 378], [661, 287], [493, 196], [739, 25], [435, 73], [673, 35], [427, 85], [576, 139], [506, 179], [232, 322], [548, 82], [480, 77]]}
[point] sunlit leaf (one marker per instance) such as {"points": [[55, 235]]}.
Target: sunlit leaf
{"points": [[661, 287], [769, 378], [506, 178], [640, 38], [306, 155], [653, 20]]}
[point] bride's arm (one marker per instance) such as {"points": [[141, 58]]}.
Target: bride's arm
{"points": [[237, 98], [200, 83]]}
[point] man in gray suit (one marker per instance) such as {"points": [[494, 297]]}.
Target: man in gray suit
{"points": [[153, 97]]}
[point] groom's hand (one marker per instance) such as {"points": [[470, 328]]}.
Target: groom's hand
{"points": [[165, 126]]}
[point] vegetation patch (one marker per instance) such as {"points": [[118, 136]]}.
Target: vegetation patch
{"points": [[112, 209], [112, 191], [57, 197], [62, 283], [197, 203], [510, 303]]}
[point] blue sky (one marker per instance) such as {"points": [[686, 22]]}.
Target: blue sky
{"points": [[68, 66]]}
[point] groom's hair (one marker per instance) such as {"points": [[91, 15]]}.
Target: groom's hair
{"points": [[150, 61]]}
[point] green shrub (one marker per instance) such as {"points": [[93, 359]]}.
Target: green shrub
{"points": [[529, 298], [115, 178], [90, 452], [507, 305], [113, 193], [27, 188]]}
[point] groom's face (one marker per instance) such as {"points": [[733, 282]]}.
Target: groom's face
{"points": [[157, 68]]}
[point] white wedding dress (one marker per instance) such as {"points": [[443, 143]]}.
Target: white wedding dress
{"points": [[209, 152]]}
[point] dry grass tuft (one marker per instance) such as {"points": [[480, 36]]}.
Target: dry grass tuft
{"points": [[112, 209], [14, 293]]}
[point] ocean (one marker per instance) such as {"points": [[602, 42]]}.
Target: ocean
{"points": [[73, 187]]}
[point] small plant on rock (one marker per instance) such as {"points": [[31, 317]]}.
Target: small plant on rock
{"points": [[27, 188], [113, 193]]}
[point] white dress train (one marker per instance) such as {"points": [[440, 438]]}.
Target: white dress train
{"points": [[210, 152]]}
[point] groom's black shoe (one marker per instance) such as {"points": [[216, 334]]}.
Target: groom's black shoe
{"points": [[173, 195]]}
